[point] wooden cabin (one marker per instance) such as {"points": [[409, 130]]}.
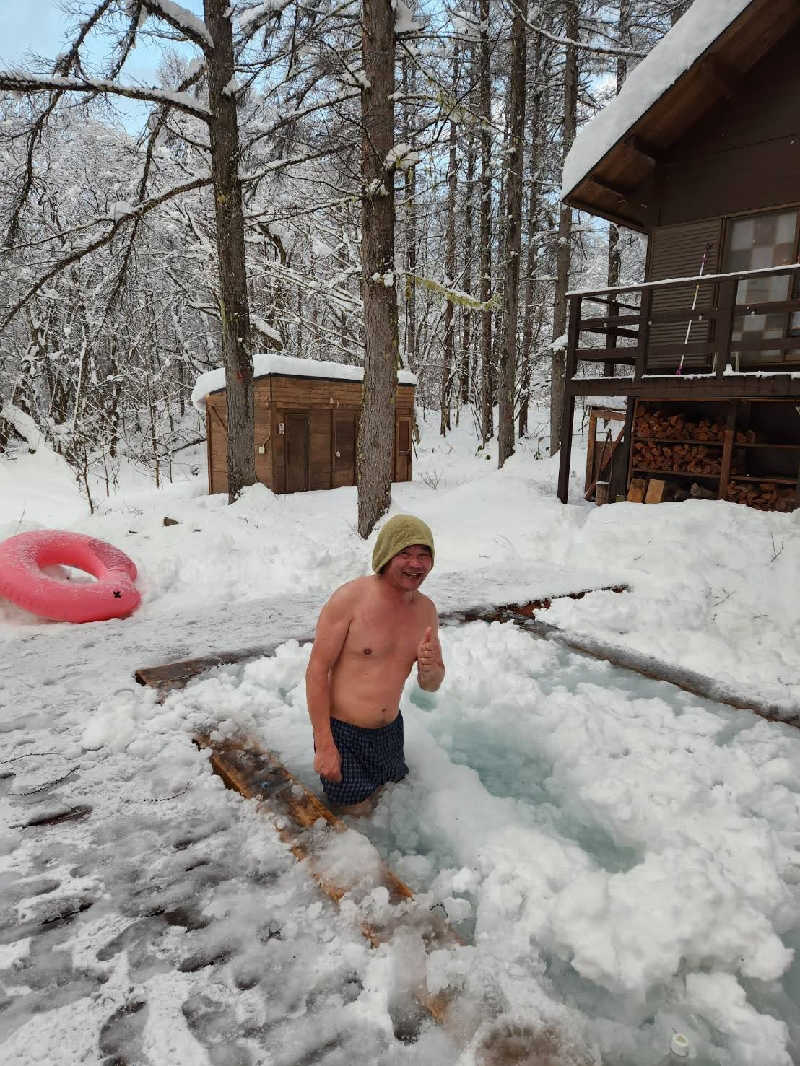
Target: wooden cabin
{"points": [[702, 155], [306, 424]]}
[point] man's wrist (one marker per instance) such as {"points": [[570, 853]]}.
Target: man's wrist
{"points": [[323, 740], [433, 674]]}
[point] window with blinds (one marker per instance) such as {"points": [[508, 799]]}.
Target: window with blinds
{"points": [[681, 251], [754, 242]]}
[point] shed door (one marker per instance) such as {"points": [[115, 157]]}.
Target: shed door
{"points": [[402, 465], [297, 431], [345, 434]]}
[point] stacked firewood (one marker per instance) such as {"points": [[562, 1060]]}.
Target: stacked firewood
{"points": [[686, 458], [764, 495], [663, 425]]}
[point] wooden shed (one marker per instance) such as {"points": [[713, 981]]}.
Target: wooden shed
{"points": [[700, 151], [306, 423]]}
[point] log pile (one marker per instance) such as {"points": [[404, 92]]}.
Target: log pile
{"points": [[669, 441], [685, 458], [655, 424], [763, 495]]}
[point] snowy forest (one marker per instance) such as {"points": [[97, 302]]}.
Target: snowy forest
{"points": [[262, 801], [120, 283]]}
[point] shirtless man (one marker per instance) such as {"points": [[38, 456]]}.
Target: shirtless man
{"points": [[369, 635]]}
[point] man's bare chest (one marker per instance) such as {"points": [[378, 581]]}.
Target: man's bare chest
{"points": [[380, 637]]}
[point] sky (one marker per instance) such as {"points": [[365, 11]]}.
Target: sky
{"points": [[40, 27], [37, 25]]}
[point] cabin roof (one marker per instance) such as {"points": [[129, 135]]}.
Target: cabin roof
{"points": [[272, 363], [699, 63]]}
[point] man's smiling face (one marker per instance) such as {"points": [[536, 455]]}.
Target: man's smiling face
{"points": [[409, 568]]}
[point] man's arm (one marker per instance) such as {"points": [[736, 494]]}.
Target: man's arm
{"points": [[430, 665], [331, 633]]}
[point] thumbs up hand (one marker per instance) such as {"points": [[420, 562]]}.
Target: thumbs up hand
{"points": [[430, 668]]}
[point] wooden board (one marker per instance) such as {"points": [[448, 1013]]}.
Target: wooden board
{"points": [[599, 453], [256, 773], [169, 676], [655, 490], [636, 490], [304, 823]]}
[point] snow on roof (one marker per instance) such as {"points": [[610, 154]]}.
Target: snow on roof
{"points": [[672, 56], [273, 363]]}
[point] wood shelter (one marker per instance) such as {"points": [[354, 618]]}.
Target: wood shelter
{"points": [[700, 151], [306, 423]]}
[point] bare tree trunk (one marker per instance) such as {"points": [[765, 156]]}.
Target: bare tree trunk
{"points": [[564, 229], [410, 229], [466, 337], [448, 356], [376, 431], [516, 157], [487, 420], [532, 257], [233, 303], [614, 256], [501, 229]]}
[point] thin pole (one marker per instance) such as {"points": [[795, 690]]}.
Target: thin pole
{"points": [[689, 324]]}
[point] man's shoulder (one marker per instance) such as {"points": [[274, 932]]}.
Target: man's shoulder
{"points": [[427, 605], [357, 587], [350, 592]]}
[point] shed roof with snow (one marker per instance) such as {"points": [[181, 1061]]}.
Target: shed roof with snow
{"points": [[270, 363]]}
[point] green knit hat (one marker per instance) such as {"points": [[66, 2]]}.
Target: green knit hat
{"points": [[398, 533]]}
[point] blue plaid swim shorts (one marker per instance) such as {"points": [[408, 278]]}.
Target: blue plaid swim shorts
{"points": [[370, 758]]}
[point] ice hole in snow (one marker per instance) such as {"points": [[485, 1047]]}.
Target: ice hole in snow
{"points": [[625, 845]]}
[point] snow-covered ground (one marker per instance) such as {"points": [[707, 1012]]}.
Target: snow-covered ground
{"points": [[621, 859]]}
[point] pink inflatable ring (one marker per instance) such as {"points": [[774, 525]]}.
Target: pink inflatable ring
{"points": [[23, 582]]}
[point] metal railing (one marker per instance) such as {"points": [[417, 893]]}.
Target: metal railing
{"points": [[733, 342]]}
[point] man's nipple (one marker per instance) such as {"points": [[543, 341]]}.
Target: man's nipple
{"points": [[368, 651]]}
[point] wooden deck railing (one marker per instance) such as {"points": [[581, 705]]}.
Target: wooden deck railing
{"points": [[627, 314]]}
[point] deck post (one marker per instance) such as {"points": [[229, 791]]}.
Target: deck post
{"points": [[644, 334], [611, 338], [568, 404], [567, 417], [727, 305], [727, 451], [627, 438], [573, 336]]}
